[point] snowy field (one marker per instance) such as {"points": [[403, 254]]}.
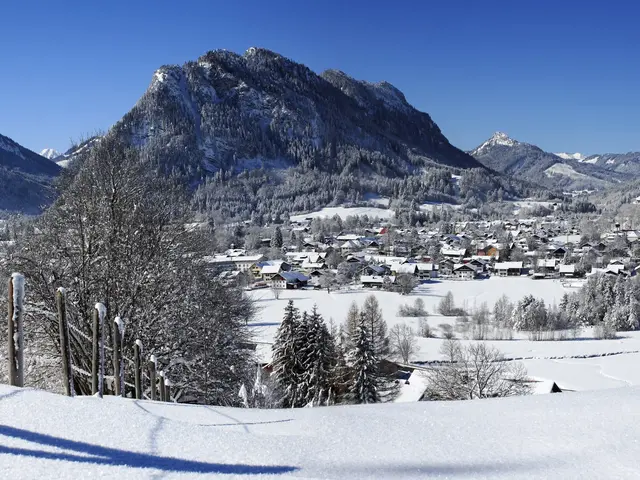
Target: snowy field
{"points": [[344, 212], [382, 213], [560, 361], [564, 436]]}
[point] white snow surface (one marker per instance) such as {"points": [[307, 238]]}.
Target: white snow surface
{"points": [[50, 153], [64, 163], [581, 364], [564, 170], [567, 436], [344, 212], [571, 156]]}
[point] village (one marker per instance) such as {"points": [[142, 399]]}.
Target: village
{"points": [[396, 259]]}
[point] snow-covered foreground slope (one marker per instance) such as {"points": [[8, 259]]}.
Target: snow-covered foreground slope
{"points": [[568, 435]]}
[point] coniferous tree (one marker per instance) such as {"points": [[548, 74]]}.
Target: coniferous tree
{"points": [[350, 327], [363, 385], [319, 361], [276, 240], [286, 357]]}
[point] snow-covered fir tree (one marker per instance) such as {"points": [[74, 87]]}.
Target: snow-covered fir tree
{"points": [[319, 359], [276, 240], [363, 385], [287, 362]]}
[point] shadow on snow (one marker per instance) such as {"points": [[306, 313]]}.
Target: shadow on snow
{"points": [[116, 457]]}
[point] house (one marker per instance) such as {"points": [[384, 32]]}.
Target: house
{"points": [[220, 263], [455, 254], [375, 270], [289, 280], [464, 270], [446, 267], [350, 246], [230, 277], [559, 252], [269, 269], [508, 269], [546, 266], [478, 264], [404, 268], [542, 387], [567, 270], [376, 281], [427, 271], [246, 262], [488, 251]]}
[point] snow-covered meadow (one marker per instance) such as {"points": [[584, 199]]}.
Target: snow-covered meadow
{"points": [[568, 436], [561, 361], [344, 212]]}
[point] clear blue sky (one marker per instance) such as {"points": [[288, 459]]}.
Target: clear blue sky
{"points": [[561, 74]]}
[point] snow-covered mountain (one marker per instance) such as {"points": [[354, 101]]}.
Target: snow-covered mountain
{"points": [[25, 178], [50, 153], [226, 109], [259, 122], [527, 161], [572, 156]]}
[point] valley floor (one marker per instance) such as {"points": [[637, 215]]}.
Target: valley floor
{"points": [[583, 363], [588, 435]]}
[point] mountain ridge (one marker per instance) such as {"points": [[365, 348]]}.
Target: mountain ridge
{"points": [[525, 160], [25, 178]]}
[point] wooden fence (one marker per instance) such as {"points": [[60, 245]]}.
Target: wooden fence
{"points": [[145, 374]]}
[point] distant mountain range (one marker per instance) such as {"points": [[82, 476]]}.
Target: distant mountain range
{"points": [[569, 171], [258, 135], [25, 178]]}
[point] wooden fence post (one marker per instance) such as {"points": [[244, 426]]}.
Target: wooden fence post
{"points": [[167, 384], [162, 388], [95, 351], [152, 375], [137, 365], [97, 367], [118, 373], [15, 324], [65, 347]]}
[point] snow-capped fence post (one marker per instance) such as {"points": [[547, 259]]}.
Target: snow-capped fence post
{"points": [[163, 391], [118, 370], [65, 346], [97, 367], [152, 375], [137, 365], [16, 337]]}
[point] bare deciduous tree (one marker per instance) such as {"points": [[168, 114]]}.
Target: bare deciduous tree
{"points": [[118, 235], [475, 371], [403, 341]]}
